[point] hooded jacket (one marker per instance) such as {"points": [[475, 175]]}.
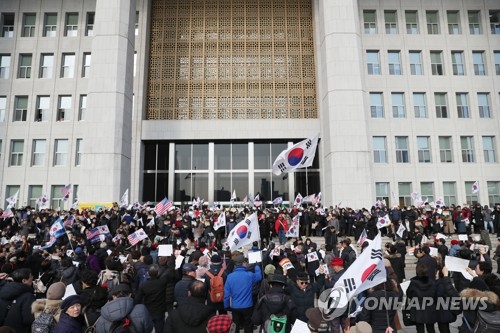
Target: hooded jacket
{"points": [[239, 286], [52, 306], [19, 316], [274, 302], [420, 287], [191, 316], [120, 308], [483, 300]]}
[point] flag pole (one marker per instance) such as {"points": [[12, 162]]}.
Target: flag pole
{"points": [[307, 182]]}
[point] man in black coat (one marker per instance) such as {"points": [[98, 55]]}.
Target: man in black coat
{"points": [[20, 295], [152, 295], [429, 262]]}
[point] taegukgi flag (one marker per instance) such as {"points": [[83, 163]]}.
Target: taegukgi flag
{"points": [[293, 230], [383, 221], [221, 221], [244, 233], [300, 155]]}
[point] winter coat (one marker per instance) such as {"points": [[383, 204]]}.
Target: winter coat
{"points": [[118, 309], [68, 324], [378, 317], [470, 296], [304, 299], [398, 265], [281, 223], [431, 265], [445, 290], [419, 288], [19, 316], [47, 305], [69, 275], [348, 256], [274, 302], [152, 295], [182, 287], [191, 316], [92, 263], [239, 286], [93, 299]]}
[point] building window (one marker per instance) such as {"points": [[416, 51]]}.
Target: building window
{"points": [[50, 25], [416, 63], [29, 22], [398, 105], [478, 59], [4, 66], [437, 63], [495, 22], [71, 26], [419, 105], [42, 108], [391, 22], [1, 148], [370, 21], [453, 17], [64, 108], [470, 198], [449, 193], [445, 149], [8, 25], [402, 153], [467, 143], [191, 175], [496, 57], [16, 152], [34, 193], [137, 23], [135, 62], [373, 62], [3, 108], [489, 149], [82, 108], [427, 191], [382, 192], [394, 62], [457, 58], [376, 105], [483, 102], [404, 190], [86, 65], [424, 149], [474, 22], [24, 66], [411, 18], [78, 152], [379, 149], [68, 65], [20, 108], [39, 150], [46, 66], [441, 105], [60, 152], [462, 105], [432, 22], [89, 24], [56, 196], [493, 193]]}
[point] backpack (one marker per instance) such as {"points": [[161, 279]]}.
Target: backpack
{"points": [[276, 324], [216, 287], [487, 322], [122, 326], [44, 323]]}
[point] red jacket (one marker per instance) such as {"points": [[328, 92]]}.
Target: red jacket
{"points": [[281, 220]]}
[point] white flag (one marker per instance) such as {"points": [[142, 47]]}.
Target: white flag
{"points": [[244, 233], [12, 200], [383, 222], [293, 230], [365, 272], [309, 198], [300, 155], [401, 231], [75, 204], [233, 197], [124, 199], [475, 187], [221, 221]]}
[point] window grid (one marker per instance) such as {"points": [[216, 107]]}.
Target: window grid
{"points": [[411, 22], [478, 59], [376, 105], [20, 108], [16, 152], [416, 63], [496, 57], [71, 28], [382, 192], [457, 63], [391, 22], [24, 66], [4, 66], [379, 149], [50, 25], [373, 62], [370, 21], [82, 108], [419, 105], [402, 153], [445, 149], [462, 105], [86, 65], [427, 191], [436, 63], [494, 22], [34, 193], [89, 25], [398, 105], [68, 65], [449, 193], [64, 108], [29, 21], [61, 152], [8, 25], [489, 149], [3, 108], [394, 62], [467, 143], [42, 109], [404, 190], [493, 192], [453, 22], [483, 101], [441, 105], [470, 198], [78, 152], [46, 66], [474, 22], [38, 157], [424, 149], [432, 22]]}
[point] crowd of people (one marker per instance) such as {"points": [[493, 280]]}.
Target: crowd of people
{"points": [[83, 281]]}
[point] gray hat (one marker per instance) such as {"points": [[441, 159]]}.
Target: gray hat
{"points": [[239, 259], [56, 291], [278, 278]]}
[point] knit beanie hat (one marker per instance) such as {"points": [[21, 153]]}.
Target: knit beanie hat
{"points": [[69, 301], [56, 291]]}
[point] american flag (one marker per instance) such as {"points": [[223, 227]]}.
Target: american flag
{"points": [[69, 221], [65, 191], [362, 238], [137, 236], [163, 206]]}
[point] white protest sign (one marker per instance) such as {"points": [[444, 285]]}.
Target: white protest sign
{"points": [[455, 264], [463, 237], [440, 235], [254, 257], [434, 252], [165, 250], [299, 327], [404, 286], [178, 261], [70, 291]]}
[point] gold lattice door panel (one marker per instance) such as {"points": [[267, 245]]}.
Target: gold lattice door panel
{"points": [[239, 59]]}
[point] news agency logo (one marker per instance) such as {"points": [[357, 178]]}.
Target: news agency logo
{"points": [[333, 302]]}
